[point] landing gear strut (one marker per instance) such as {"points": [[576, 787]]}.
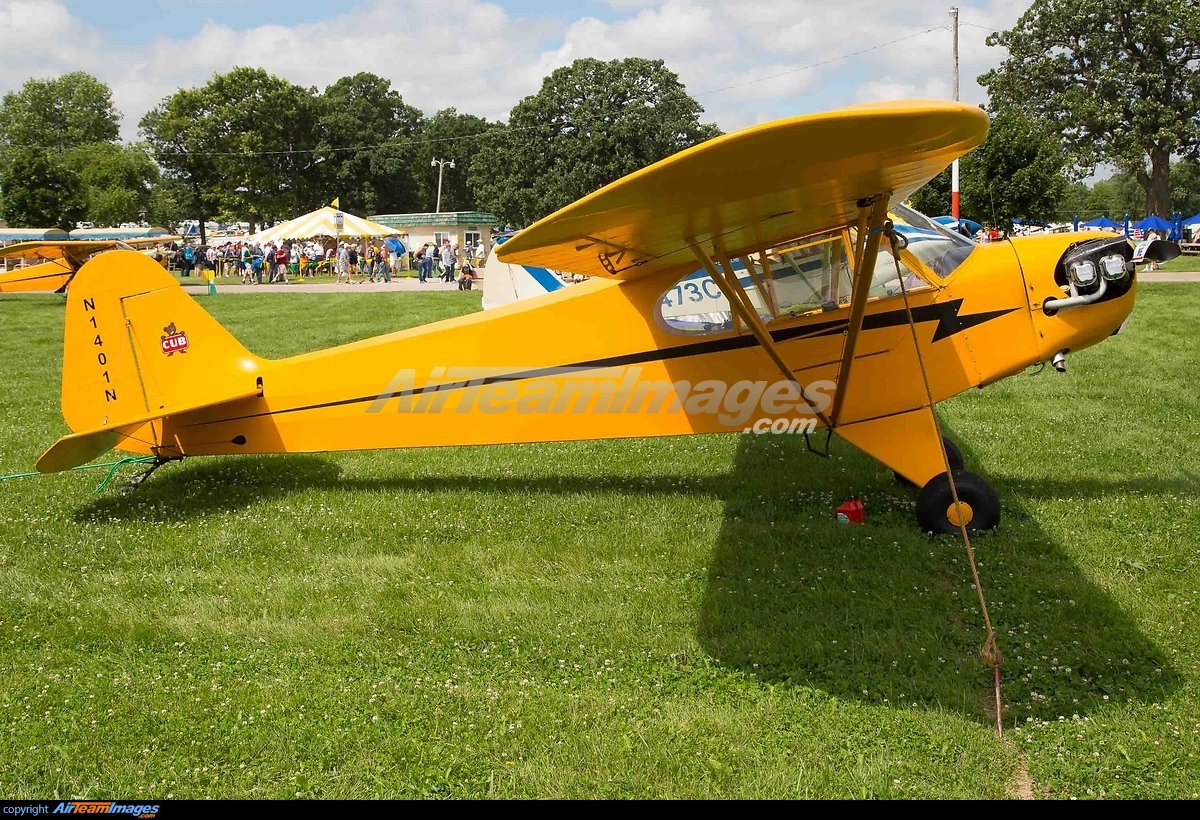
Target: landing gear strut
{"points": [[140, 478], [952, 452]]}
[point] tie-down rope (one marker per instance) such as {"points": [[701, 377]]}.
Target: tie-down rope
{"points": [[989, 650], [112, 465]]}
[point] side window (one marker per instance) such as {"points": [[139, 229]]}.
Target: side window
{"points": [[884, 280], [809, 274], [804, 276]]}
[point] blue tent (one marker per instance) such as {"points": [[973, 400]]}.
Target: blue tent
{"points": [[1101, 222], [1192, 220], [1152, 222], [32, 234]]}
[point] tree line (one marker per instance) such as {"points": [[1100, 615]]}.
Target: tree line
{"points": [[1083, 82], [249, 146]]}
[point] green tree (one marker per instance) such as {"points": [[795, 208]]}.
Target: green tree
{"points": [[1185, 187], [40, 191], [368, 145], [118, 180], [1117, 197], [933, 198], [245, 143], [61, 113], [453, 136], [1018, 173], [1118, 79], [268, 136], [591, 123], [186, 139], [168, 203]]}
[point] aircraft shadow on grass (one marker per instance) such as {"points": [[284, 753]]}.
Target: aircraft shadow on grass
{"points": [[879, 613], [895, 616]]}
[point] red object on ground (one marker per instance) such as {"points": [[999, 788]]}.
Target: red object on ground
{"points": [[852, 512]]}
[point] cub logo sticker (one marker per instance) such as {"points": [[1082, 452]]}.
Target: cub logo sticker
{"points": [[175, 341]]}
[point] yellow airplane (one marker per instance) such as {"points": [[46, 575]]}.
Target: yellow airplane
{"points": [[754, 282], [56, 261]]}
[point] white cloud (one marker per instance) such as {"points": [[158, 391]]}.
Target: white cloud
{"points": [[746, 60]]}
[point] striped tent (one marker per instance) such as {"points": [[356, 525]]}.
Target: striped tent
{"points": [[321, 223]]}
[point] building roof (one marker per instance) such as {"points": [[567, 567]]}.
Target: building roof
{"points": [[447, 218], [118, 233]]}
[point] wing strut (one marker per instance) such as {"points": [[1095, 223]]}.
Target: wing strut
{"points": [[740, 303], [859, 291]]}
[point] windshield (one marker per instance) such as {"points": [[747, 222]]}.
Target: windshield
{"points": [[941, 249]]}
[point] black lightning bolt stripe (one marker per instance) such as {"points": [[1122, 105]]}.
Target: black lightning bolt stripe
{"points": [[946, 314]]}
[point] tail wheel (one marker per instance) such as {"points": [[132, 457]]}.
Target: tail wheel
{"points": [[952, 452], [979, 506]]}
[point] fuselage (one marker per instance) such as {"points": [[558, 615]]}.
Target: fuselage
{"points": [[597, 360]]}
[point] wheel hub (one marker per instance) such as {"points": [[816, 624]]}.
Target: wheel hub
{"points": [[952, 514]]}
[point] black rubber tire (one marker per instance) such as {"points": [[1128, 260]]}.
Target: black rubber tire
{"points": [[935, 499], [952, 452]]}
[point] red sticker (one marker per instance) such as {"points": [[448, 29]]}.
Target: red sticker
{"points": [[175, 341]]}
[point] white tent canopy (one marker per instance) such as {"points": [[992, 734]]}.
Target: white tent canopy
{"points": [[321, 222]]}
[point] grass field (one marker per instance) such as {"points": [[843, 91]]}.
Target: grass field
{"points": [[676, 617], [1182, 264]]}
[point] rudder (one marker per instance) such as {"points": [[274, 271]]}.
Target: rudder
{"points": [[137, 346]]}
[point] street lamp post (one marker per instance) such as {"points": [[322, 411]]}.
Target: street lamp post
{"points": [[441, 166]]}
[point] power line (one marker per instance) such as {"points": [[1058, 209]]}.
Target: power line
{"points": [[984, 28], [426, 140], [811, 66]]}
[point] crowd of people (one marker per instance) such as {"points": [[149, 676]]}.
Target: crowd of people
{"points": [[257, 263]]}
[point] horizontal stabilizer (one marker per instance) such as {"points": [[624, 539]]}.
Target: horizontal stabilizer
{"points": [[79, 448]]}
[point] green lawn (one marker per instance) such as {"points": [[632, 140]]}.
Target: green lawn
{"points": [[1184, 264], [675, 617]]}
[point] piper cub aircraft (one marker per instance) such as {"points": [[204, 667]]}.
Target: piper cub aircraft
{"points": [[54, 262], [754, 282]]}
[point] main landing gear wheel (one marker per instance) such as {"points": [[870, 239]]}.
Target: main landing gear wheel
{"points": [[952, 451], [937, 512]]}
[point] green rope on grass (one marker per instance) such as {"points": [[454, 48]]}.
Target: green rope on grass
{"points": [[112, 465]]}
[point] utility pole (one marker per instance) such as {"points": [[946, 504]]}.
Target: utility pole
{"points": [[954, 171], [441, 166]]}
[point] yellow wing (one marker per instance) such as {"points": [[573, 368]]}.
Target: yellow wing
{"points": [[48, 276], [75, 248], [752, 189]]}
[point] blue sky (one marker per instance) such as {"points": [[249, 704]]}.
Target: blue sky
{"points": [[482, 57]]}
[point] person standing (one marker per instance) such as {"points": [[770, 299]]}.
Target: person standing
{"points": [[189, 259], [342, 263], [419, 258], [383, 266], [352, 264], [448, 262], [294, 260]]}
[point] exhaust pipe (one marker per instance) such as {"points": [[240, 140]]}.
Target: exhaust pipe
{"points": [[1052, 306], [1059, 361]]}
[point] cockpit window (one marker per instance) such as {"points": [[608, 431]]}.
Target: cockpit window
{"points": [[808, 275], [939, 248]]}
